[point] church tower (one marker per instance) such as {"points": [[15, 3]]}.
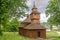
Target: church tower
{"points": [[35, 15], [31, 25]]}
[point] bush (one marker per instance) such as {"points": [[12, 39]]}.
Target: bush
{"points": [[1, 33], [13, 29]]}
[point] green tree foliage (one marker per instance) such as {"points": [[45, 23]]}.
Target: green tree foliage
{"points": [[14, 25], [11, 26], [9, 9], [1, 32], [7, 27], [53, 10]]}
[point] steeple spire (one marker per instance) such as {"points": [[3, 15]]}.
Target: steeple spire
{"points": [[34, 5]]}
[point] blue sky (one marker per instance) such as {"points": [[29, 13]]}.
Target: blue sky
{"points": [[41, 5]]}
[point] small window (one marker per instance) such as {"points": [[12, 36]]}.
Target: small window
{"points": [[38, 34]]}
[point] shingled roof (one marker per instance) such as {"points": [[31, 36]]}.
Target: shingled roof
{"points": [[34, 26], [27, 20]]}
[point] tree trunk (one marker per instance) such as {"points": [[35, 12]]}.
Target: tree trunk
{"points": [[51, 27]]}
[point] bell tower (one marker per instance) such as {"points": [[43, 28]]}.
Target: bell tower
{"points": [[35, 15]]}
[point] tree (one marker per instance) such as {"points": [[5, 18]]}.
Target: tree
{"points": [[53, 10], [14, 25], [11, 8], [44, 23]]}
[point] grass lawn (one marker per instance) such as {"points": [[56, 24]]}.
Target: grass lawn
{"points": [[16, 36], [52, 34], [12, 36]]}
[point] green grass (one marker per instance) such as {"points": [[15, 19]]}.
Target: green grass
{"points": [[16, 36], [12, 36], [52, 34]]}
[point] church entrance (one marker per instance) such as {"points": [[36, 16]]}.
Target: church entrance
{"points": [[38, 34]]}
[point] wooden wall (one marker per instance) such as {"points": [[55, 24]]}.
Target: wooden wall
{"points": [[33, 33]]}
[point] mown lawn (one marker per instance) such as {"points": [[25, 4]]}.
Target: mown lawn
{"points": [[16, 36], [12, 36], [52, 34]]}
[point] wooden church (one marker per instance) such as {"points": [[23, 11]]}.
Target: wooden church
{"points": [[31, 27]]}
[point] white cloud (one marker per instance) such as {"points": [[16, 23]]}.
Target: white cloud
{"points": [[43, 17]]}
